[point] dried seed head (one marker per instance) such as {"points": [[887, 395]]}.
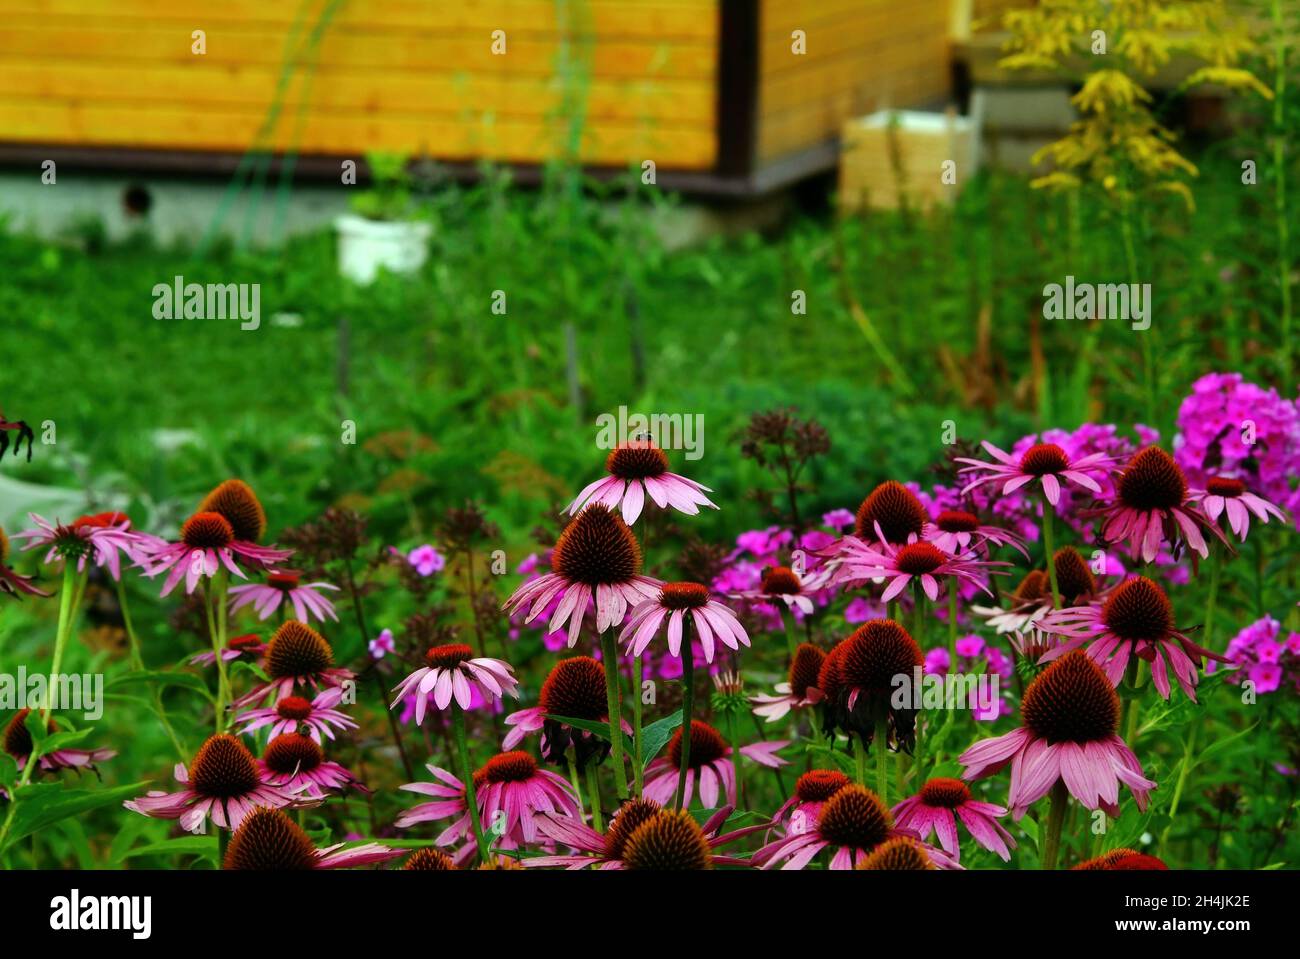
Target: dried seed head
{"points": [[297, 650], [897, 510], [855, 817], [207, 531], [234, 499], [223, 768], [1071, 701], [1138, 609], [899, 854], [707, 745], [575, 687], [597, 548], [268, 840], [1152, 481], [670, 840]]}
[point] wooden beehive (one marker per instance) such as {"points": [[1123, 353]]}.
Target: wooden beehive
{"points": [[716, 92], [898, 156]]}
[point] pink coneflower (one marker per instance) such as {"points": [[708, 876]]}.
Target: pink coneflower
{"points": [[296, 656], [292, 712], [1151, 507], [635, 470], [268, 840], [297, 765], [284, 586], [222, 782], [811, 790], [1121, 859], [957, 531], [667, 843], [18, 744], [938, 806], [453, 671], [891, 513], [575, 689], [782, 584], [1032, 599], [854, 823], [1231, 498], [712, 620], [1071, 717], [248, 647], [1045, 462], [799, 691], [207, 543], [709, 764], [1136, 619], [920, 561], [596, 557], [11, 582], [101, 539], [509, 783]]}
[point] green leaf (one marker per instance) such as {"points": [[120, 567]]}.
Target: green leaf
{"points": [[205, 846], [655, 736], [8, 770], [162, 677], [43, 804]]}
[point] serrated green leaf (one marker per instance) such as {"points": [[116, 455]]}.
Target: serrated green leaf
{"points": [[655, 736]]}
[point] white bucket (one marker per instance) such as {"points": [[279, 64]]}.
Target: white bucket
{"points": [[366, 245]]}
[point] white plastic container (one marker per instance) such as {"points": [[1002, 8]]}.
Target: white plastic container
{"points": [[366, 245]]}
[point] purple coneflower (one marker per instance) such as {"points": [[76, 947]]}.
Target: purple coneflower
{"points": [[1231, 498], [854, 823], [1032, 599], [712, 620], [297, 655], [782, 584], [296, 764], [709, 764], [811, 790], [284, 586], [956, 531], [799, 691], [1152, 507], [248, 647], [269, 840], [596, 557], [509, 784], [1136, 619], [222, 782], [575, 689], [1045, 462], [638, 469], [207, 543], [293, 712], [1070, 715], [857, 681], [668, 843], [920, 561], [102, 539], [938, 806], [451, 671], [18, 743]]}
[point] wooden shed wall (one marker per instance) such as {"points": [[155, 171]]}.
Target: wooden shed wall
{"points": [[862, 55], [410, 75]]}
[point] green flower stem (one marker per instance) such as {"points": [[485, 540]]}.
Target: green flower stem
{"points": [[593, 791], [952, 624], [733, 725], [614, 702], [223, 841], [137, 663], [73, 583], [1049, 513], [1055, 819], [860, 758], [638, 773], [575, 780], [688, 697], [1133, 679], [881, 746], [791, 642], [467, 776]]}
